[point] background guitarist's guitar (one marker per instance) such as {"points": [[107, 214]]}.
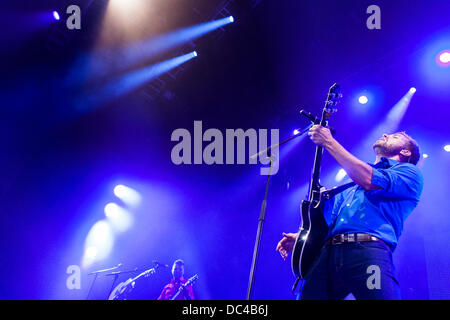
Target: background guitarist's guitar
{"points": [[314, 228], [182, 286], [120, 292]]}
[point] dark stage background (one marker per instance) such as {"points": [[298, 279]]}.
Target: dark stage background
{"points": [[62, 155]]}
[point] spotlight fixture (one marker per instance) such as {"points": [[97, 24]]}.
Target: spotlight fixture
{"points": [[363, 99], [56, 15]]}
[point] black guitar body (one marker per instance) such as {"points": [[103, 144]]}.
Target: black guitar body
{"points": [[310, 240], [314, 229]]}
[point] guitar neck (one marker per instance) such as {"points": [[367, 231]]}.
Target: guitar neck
{"points": [[183, 286], [315, 185]]}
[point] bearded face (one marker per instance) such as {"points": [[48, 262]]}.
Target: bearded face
{"points": [[390, 145]]}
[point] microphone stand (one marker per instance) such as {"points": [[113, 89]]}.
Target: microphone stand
{"points": [[262, 214], [96, 273]]}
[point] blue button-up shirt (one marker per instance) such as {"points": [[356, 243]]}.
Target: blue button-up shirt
{"points": [[380, 213]]}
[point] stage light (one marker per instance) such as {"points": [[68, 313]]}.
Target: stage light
{"points": [[296, 132], [363, 99], [444, 57], [131, 81], [447, 147], [103, 61], [98, 244], [119, 218], [425, 156], [91, 253], [231, 18], [413, 90], [56, 15], [388, 125], [340, 175], [156, 45], [128, 195], [111, 209]]}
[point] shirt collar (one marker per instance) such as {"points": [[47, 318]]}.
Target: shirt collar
{"points": [[385, 163], [182, 280]]}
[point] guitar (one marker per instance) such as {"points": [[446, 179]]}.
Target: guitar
{"points": [[120, 292], [184, 285], [313, 229]]}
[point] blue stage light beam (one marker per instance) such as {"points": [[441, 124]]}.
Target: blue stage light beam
{"points": [[103, 62], [388, 126], [154, 46], [131, 81], [119, 218], [128, 195], [430, 67], [340, 175], [98, 244]]}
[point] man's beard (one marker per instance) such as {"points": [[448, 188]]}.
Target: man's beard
{"points": [[385, 150]]}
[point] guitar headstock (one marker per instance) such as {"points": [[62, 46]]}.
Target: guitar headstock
{"points": [[334, 95], [149, 272], [192, 280]]}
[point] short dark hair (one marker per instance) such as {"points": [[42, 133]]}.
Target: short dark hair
{"points": [[412, 146]]}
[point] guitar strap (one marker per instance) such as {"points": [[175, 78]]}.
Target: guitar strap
{"points": [[328, 194]]}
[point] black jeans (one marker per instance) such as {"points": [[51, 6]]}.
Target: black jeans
{"points": [[364, 269]]}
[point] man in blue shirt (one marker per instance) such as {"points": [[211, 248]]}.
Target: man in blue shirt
{"points": [[366, 220]]}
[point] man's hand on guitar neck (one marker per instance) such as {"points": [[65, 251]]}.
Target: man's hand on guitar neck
{"points": [[359, 171], [321, 135], [286, 244]]}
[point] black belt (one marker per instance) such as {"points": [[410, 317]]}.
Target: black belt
{"points": [[352, 237]]}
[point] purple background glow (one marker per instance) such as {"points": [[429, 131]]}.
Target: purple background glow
{"points": [[60, 162]]}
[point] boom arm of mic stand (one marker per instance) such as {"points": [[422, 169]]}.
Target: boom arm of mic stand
{"points": [[104, 270], [316, 120], [281, 143]]}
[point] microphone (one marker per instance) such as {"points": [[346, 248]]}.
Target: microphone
{"points": [[158, 264], [316, 120], [308, 115]]}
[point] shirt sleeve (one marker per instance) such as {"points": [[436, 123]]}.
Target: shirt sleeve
{"points": [[163, 295], [404, 181]]}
